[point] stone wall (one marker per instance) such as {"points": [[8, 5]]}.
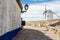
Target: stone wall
{"points": [[10, 16]]}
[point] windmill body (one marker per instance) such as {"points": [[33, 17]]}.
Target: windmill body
{"points": [[48, 14]]}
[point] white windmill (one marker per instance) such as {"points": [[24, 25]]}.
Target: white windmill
{"points": [[48, 14]]}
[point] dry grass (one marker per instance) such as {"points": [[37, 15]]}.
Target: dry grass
{"points": [[41, 23], [52, 31], [39, 30]]}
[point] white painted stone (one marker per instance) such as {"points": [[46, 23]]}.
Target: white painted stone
{"points": [[10, 16]]}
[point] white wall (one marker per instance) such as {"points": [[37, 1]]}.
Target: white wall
{"points": [[10, 16]]}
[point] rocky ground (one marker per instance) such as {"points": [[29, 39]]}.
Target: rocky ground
{"points": [[38, 33], [40, 30]]}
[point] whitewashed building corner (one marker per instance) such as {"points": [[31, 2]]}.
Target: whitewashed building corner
{"points": [[10, 15]]}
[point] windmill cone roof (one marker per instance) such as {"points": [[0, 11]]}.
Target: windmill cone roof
{"points": [[48, 11]]}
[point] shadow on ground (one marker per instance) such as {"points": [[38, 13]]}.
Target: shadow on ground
{"points": [[30, 34]]}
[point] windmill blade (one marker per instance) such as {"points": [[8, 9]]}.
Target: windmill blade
{"points": [[56, 15], [44, 14]]}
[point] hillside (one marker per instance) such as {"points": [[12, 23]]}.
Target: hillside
{"points": [[40, 30], [42, 23]]}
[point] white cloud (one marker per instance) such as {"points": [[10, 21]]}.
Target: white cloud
{"points": [[35, 11]]}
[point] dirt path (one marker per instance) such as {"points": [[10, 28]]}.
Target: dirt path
{"points": [[49, 31], [31, 34], [36, 33]]}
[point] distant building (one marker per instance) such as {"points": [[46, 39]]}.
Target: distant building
{"points": [[48, 14], [10, 15]]}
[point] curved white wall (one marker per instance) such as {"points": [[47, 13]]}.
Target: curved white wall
{"points": [[10, 16]]}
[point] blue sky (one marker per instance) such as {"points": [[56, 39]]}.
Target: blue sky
{"points": [[37, 7], [34, 1]]}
